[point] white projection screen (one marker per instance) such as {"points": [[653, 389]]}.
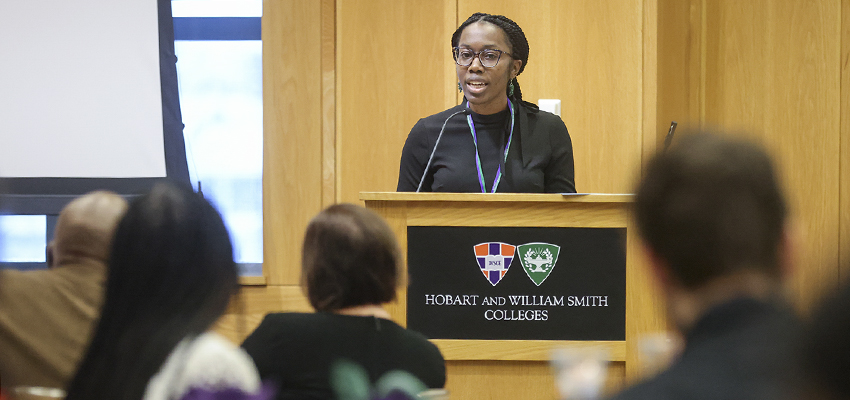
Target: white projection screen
{"points": [[84, 88]]}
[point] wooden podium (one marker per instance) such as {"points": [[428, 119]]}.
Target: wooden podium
{"points": [[519, 368]]}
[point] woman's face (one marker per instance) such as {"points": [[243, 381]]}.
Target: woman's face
{"points": [[485, 88]]}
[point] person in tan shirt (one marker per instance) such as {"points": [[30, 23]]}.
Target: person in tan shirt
{"points": [[46, 316]]}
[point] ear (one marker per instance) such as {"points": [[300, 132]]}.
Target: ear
{"points": [[49, 254], [515, 66]]}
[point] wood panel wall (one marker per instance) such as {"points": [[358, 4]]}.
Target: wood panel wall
{"points": [[393, 61], [345, 80], [771, 70], [679, 89], [844, 161], [292, 118]]}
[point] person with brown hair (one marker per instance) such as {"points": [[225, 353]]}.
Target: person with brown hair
{"points": [[713, 219], [46, 316], [350, 268]]}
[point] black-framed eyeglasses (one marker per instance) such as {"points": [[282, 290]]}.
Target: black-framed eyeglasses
{"points": [[489, 58]]}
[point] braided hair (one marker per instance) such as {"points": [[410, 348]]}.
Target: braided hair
{"points": [[519, 44]]}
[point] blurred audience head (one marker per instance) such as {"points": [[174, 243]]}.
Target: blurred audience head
{"points": [[85, 228], [350, 258], [171, 276], [826, 348], [172, 257], [711, 206], [711, 214]]}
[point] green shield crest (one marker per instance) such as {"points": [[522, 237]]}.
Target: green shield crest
{"points": [[538, 260]]}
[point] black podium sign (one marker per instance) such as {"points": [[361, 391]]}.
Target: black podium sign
{"points": [[517, 283]]}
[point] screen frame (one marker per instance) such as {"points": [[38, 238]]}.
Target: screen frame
{"points": [[47, 196]]}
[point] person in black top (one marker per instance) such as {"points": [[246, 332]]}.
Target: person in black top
{"points": [[713, 219], [350, 268], [502, 143], [825, 348]]}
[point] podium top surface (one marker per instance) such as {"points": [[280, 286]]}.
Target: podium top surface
{"points": [[499, 197]]}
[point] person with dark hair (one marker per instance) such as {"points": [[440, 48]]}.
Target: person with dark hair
{"points": [[171, 275], [47, 316], [714, 223], [350, 267], [503, 143], [825, 348]]}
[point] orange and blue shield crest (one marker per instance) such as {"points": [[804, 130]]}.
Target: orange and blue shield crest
{"points": [[494, 259]]}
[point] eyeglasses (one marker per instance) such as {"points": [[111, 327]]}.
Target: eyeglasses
{"points": [[489, 57]]}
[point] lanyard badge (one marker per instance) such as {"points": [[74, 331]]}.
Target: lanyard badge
{"points": [[478, 159]]}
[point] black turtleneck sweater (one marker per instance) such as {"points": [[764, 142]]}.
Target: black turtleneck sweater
{"points": [[540, 158]]}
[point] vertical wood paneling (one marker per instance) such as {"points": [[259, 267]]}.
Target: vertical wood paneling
{"points": [[844, 243], [391, 71], [292, 110], [328, 47], [587, 53], [773, 69], [679, 60], [650, 80]]}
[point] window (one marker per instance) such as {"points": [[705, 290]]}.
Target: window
{"points": [[219, 70], [23, 239]]}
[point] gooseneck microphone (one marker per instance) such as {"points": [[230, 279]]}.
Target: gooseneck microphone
{"points": [[669, 138], [465, 111]]}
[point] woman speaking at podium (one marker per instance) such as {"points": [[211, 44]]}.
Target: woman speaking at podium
{"points": [[493, 141]]}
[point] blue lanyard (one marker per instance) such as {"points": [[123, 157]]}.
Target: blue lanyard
{"points": [[478, 159]]}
